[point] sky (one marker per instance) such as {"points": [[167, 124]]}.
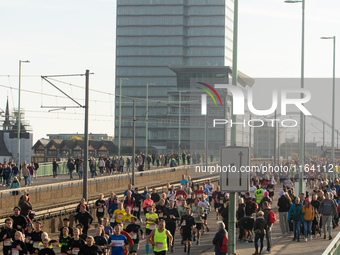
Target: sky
{"points": [[68, 37]]}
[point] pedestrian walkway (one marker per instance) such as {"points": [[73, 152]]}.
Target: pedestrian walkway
{"points": [[66, 177]]}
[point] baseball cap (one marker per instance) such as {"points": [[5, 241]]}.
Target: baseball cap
{"points": [[84, 206]]}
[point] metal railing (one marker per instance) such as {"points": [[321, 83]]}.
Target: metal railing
{"points": [[334, 247]]}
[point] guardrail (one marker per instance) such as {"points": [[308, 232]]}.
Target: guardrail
{"points": [[46, 169], [98, 179], [334, 247]]}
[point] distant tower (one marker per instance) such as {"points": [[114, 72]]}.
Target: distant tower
{"points": [[7, 124]]}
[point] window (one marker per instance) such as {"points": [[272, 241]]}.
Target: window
{"points": [[149, 61], [149, 21], [151, 51], [148, 41], [206, 41], [147, 31], [150, 10]]}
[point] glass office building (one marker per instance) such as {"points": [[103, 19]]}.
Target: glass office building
{"points": [[153, 35]]}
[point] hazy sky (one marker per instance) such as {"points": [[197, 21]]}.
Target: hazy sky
{"points": [[68, 37]]}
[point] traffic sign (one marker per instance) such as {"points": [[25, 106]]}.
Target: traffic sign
{"points": [[235, 169]]}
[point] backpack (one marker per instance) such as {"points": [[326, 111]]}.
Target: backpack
{"points": [[224, 247], [272, 217], [253, 206]]}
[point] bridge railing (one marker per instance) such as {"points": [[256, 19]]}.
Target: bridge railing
{"points": [[334, 247]]}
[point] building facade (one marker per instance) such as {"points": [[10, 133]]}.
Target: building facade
{"points": [[153, 35], [9, 137]]}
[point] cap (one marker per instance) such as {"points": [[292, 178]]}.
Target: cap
{"points": [[115, 198], [84, 206], [145, 187]]}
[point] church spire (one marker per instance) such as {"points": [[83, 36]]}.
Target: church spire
{"points": [[6, 125]]}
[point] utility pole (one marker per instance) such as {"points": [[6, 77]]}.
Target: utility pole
{"points": [[19, 113], [275, 139], [232, 195], [86, 135], [323, 137], [250, 134], [179, 125], [206, 141], [133, 142], [120, 114]]}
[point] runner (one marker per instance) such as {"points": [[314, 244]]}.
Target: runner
{"points": [[210, 186], [64, 242], [100, 206], [100, 239], [36, 236], [218, 201], [206, 206], [187, 226], [160, 236], [19, 221], [151, 221], [90, 248], [133, 230], [171, 216], [118, 214], [137, 204], [197, 213], [85, 218], [160, 208], [18, 245], [7, 236], [127, 218], [28, 237], [117, 241], [66, 223], [45, 249], [75, 243]]}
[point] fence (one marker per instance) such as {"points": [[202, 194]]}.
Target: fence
{"points": [[45, 169], [334, 247]]}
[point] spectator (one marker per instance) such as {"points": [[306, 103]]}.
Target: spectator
{"points": [[15, 185], [259, 227], [219, 236], [295, 213], [35, 168], [308, 215], [155, 196], [15, 170], [241, 211], [284, 205], [71, 168], [121, 164], [266, 215], [25, 205], [327, 209], [55, 167]]}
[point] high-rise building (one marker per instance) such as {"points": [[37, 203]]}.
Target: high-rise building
{"points": [[153, 35]]}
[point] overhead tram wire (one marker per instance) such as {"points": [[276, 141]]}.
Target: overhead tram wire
{"points": [[134, 98]]}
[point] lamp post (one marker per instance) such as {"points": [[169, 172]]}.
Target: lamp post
{"points": [[19, 113], [333, 108], [146, 118], [301, 142], [120, 112]]}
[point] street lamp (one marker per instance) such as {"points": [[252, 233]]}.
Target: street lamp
{"points": [[333, 108], [146, 118], [19, 113], [120, 111], [301, 142]]}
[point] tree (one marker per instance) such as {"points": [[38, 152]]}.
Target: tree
{"points": [[76, 138]]}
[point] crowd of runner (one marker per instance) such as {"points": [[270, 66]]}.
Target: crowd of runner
{"points": [[181, 212]]}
